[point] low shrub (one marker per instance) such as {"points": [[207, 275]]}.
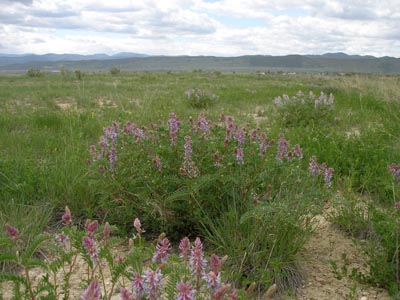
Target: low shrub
{"points": [[305, 110], [215, 179], [200, 99]]}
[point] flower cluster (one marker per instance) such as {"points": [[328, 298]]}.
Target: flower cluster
{"points": [[173, 126], [189, 168], [321, 169], [283, 153], [301, 99], [394, 169]]}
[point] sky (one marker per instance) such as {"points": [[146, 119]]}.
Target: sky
{"points": [[201, 27]]}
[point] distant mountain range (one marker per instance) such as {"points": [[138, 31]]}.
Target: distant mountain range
{"points": [[10, 59], [126, 61]]}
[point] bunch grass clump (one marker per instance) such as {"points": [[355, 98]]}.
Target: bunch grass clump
{"points": [[198, 98], [305, 110], [218, 179]]}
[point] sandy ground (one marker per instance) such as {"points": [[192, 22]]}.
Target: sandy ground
{"points": [[329, 243]]}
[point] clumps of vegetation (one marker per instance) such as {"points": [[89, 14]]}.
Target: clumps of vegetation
{"points": [[198, 98], [34, 72], [115, 71], [305, 110], [221, 180], [142, 272]]}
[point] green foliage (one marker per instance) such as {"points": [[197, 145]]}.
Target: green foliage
{"points": [[305, 110], [115, 71], [197, 98], [34, 72], [351, 214]]}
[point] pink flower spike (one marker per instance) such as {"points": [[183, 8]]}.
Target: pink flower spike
{"points": [[185, 291], [215, 263], [184, 247], [92, 292], [138, 285], [125, 294], [397, 205], [239, 156], [161, 253], [106, 231], [213, 280], [91, 248], [138, 225], [12, 232], [91, 227], [66, 217], [233, 295]]}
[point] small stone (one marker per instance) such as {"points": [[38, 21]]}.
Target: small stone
{"points": [[363, 298], [320, 280]]}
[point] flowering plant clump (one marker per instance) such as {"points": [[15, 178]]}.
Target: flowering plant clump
{"points": [[166, 276], [317, 169], [200, 99], [305, 109], [174, 174]]}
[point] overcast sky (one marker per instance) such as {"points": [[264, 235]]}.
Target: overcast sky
{"points": [[201, 27]]}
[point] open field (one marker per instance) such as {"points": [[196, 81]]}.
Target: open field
{"points": [[259, 212]]}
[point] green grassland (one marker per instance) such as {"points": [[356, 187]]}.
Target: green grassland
{"points": [[47, 124]]}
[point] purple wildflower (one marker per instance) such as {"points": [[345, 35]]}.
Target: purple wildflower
{"points": [[216, 263], [111, 133], [213, 280], [91, 248], [63, 240], [233, 295], [219, 294], [92, 292], [157, 163], [138, 225], [239, 156], [125, 294], [397, 205], [161, 253], [394, 169], [197, 261], [217, 161], [283, 145], [91, 227], [192, 126], [185, 291], [313, 166], [328, 177], [12, 232], [173, 126], [138, 285], [189, 168], [103, 146], [66, 217], [106, 231], [203, 124], [263, 145], [184, 247], [152, 283], [240, 136], [297, 151], [113, 158]]}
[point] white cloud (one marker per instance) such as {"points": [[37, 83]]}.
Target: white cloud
{"points": [[199, 27]]}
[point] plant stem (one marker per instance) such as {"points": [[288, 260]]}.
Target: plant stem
{"points": [[28, 279]]}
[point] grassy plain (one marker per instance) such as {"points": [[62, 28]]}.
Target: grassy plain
{"points": [[47, 124]]}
